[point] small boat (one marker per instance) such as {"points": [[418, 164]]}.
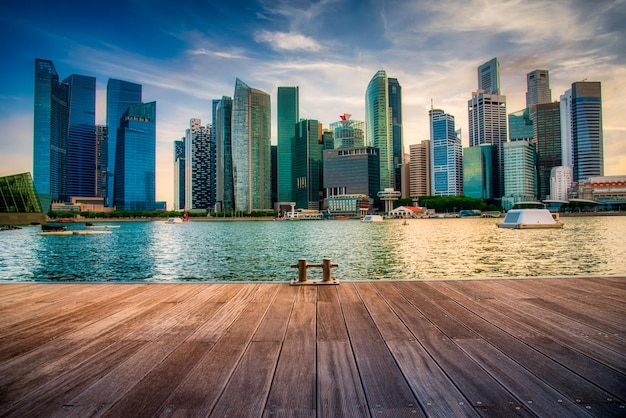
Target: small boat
{"points": [[372, 218], [530, 219], [75, 232], [90, 225], [49, 228], [175, 220]]}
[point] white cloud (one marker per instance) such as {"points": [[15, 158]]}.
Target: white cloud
{"points": [[287, 41]]}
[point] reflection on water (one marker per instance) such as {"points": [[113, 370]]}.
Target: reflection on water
{"points": [[255, 250]]}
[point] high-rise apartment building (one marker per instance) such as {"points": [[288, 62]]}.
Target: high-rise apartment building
{"points": [[347, 132], [379, 129], [567, 152], [80, 166], [135, 159], [446, 154], [179, 174], [102, 134], [547, 136], [538, 88], [519, 172], [120, 96], [287, 116], [307, 165], [395, 103], [478, 166], [199, 177], [224, 189], [49, 133], [586, 130], [251, 148], [487, 119], [419, 170]]}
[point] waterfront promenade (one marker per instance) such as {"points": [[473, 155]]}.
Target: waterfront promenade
{"points": [[551, 347]]}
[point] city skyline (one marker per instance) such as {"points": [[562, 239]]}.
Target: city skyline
{"points": [[186, 55]]}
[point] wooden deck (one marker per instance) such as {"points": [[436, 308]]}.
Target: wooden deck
{"points": [[530, 347]]}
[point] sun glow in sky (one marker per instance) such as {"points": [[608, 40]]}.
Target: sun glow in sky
{"points": [[187, 53]]}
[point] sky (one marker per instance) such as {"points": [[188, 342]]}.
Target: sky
{"points": [[187, 53]]}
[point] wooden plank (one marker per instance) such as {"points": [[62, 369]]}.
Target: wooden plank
{"points": [[198, 393], [293, 389], [339, 389], [428, 324], [386, 390], [437, 394]]}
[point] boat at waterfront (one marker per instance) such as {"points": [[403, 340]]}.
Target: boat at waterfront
{"points": [[372, 218], [51, 228], [92, 226], [174, 220], [530, 219], [75, 232]]}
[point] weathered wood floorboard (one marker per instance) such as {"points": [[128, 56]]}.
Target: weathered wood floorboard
{"points": [[532, 347]]}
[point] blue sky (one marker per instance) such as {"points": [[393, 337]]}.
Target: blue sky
{"points": [[186, 53]]}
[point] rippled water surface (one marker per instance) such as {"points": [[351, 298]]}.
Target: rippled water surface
{"points": [[264, 250]]}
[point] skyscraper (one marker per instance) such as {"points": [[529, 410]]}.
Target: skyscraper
{"points": [[519, 172], [102, 135], [378, 121], [478, 165], [538, 88], [49, 133], [586, 130], [352, 171], [419, 170], [547, 133], [135, 159], [224, 189], [520, 126], [487, 119], [179, 174], [348, 133], [446, 173], [395, 103], [307, 164], [251, 148], [120, 95], [288, 111], [81, 136], [198, 167]]}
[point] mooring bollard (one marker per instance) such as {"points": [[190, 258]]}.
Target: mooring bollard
{"points": [[326, 267]]}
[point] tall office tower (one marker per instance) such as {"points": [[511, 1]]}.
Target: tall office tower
{"points": [[395, 103], [419, 170], [446, 155], [567, 150], [102, 134], [519, 172], [120, 96], [520, 126], [547, 133], [487, 119], [135, 159], [478, 165], [538, 88], [251, 146], [179, 174], [348, 133], [489, 76], [224, 189], [287, 116], [379, 132], [198, 167], [560, 182], [307, 165], [586, 130], [49, 133], [81, 136], [352, 171]]}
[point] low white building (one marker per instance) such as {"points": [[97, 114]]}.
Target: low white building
{"points": [[407, 212]]}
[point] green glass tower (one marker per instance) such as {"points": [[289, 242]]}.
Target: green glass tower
{"points": [[307, 164], [379, 126], [287, 117]]}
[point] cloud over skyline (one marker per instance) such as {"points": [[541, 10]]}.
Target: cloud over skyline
{"points": [[187, 53]]}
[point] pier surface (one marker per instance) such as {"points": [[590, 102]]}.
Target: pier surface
{"points": [[527, 347]]}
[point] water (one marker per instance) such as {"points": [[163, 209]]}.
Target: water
{"points": [[264, 250]]}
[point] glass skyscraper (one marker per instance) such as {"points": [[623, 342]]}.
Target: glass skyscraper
{"points": [[307, 164], [288, 111], [251, 148], [446, 173], [224, 189], [179, 174], [352, 171], [102, 135], [199, 167], [478, 164], [489, 76], [348, 133], [395, 103], [135, 159], [81, 136], [586, 130], [519, 172], [547, 133], [49, 133], [379, 132], [120, 96], [520, 126]]}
